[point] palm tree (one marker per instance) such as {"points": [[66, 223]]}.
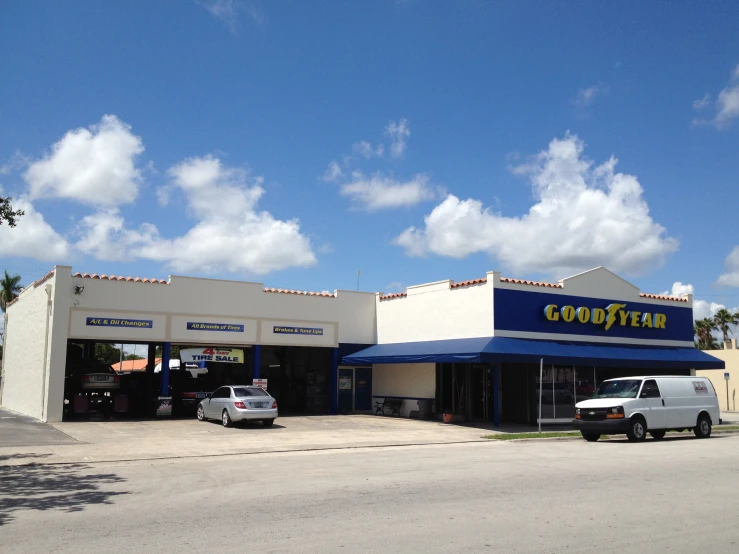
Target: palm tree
{"points": [[723, 320], [703, 329], [10, 288]]}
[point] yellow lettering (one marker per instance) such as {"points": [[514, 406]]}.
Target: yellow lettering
{"points": [[635, 319], [659, 321], [598, 316], [646, 320], [583, 314], [568, 313], [551, 313], [624, 317]]}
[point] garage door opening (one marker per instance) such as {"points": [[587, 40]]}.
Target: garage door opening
{"points": [[107, 380]]}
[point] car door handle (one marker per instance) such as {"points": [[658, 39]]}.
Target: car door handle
{"points": [[663, 401]]}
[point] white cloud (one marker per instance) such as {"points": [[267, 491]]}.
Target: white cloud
{"points": [[378, 192], [333, 172], [227, 11], [95, 166], [730, 278], [586, 96], [702, 103], [364, 149], [398, 131], [726, 105], [584, 217], [678, 290], [395, 285], [33, 237], [16, 161], [231, 235]]}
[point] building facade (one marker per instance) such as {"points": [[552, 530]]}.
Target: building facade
{"points": [[483, 349]]}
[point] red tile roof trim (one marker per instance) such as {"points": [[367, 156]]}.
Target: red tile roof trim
{"points": [[114, 278], [531, 283], [301, 292], [43, 279], [393, 296], [660, 297], [469, 283]]}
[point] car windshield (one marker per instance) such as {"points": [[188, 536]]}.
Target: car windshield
{"points": [[241, 392], [618, 389]]}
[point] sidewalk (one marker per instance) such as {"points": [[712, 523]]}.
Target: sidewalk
{"points": [[120, 441]]}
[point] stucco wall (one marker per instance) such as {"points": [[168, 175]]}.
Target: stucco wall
{"points": [[407, 380], [349, 317], [25, 369], [731, 358], [436, 311]]}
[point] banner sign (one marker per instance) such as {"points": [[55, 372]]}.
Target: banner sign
{"points": [[227, 327], [109, 322], [297, 330], [261, 383], [227, 355], [547, 313]]}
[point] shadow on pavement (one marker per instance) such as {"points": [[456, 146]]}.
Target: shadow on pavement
{"points": [[66, 487]]}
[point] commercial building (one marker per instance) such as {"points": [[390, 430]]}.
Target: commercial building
{"points": [[725, 380], [476, 348]]}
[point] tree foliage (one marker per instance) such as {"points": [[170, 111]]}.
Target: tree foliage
{"points": [[7, 213], [107, 353], [723, 320], [10, 288]]}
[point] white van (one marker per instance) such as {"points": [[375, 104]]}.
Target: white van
{"points": [[640, 405]]}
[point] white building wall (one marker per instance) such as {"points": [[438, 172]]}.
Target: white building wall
{"points": [[404, 380], [26, 351], [348, 317], [436, 311]]}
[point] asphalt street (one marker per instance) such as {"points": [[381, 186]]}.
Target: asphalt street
{"points": [[677, 496]]}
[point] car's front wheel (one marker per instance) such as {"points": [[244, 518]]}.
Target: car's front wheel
{"points": [[637, 431], [201, 413], [268, 422], [226, 419]]}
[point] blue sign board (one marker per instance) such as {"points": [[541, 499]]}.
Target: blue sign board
{"points": [[112, 322], [540, 312], [224, 327], [297, 330]]}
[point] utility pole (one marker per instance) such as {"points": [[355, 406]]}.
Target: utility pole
{"points": [[357, 280]]}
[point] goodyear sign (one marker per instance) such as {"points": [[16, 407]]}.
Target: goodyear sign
{"points": [[612, 315]]}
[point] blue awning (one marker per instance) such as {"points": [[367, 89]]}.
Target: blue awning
{"points": [[508, 350]]}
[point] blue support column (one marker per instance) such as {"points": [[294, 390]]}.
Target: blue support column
{"points": [[333, 383], [256, 362], [165, 369], [496, 395]]}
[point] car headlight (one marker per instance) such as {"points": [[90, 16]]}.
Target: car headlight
{"points": [[615, 413], [577, 411]]}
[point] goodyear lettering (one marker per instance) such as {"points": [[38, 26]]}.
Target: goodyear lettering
{"points": [[613, 314]]}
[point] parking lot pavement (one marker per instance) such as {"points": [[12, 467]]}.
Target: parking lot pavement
{"points": [[17, 430], [122, 440]]}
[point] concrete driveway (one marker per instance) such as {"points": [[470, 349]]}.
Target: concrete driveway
{"points": [[17, 430], [118, 441]]}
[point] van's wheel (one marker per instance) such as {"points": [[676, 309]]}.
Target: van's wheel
{"points": [[590, 437], [268, 422], [637, 431], [703, 429], [226, 419], [657, 435]]}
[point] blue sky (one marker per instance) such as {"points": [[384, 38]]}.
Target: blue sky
{"points": [[293, 143]]}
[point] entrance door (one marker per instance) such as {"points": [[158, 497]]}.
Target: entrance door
{"points": [[363, 389], [346, 390]]}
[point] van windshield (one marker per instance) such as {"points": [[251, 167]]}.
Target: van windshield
{"points": [[618, 389]]}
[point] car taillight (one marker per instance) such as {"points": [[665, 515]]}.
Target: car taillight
{"points": [[116, 378], [188, 395], [240, 405], [274, 405], [85, 377]]}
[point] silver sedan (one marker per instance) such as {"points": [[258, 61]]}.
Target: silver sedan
{"points": [[236, 403]]}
